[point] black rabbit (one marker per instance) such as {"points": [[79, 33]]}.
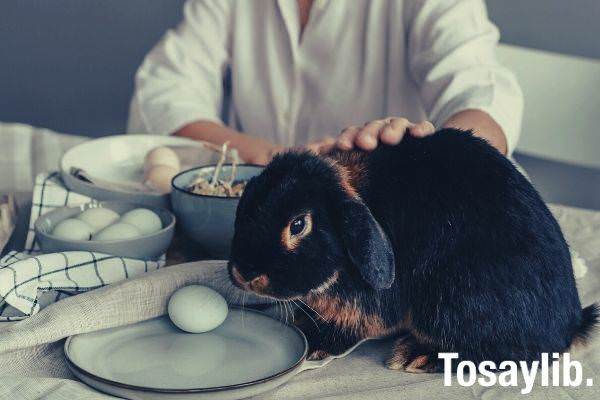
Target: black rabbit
{"points": [[439, 241]]}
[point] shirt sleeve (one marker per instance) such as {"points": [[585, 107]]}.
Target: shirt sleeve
{"points": [[452, 58], [181, 80]]}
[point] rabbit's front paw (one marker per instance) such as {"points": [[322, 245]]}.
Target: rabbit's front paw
{"points": [[411, 356], [317, 355]]}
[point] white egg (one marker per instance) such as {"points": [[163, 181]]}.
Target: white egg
{"points": [[118, 231], [72, 229], [162, 156], [98, 218], [197, 309], [145, 220], [159, 178]]}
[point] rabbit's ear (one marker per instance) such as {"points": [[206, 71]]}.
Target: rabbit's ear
{"points": [[367, 244]]}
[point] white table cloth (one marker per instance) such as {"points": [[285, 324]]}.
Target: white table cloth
{"points": [[32, 364]]}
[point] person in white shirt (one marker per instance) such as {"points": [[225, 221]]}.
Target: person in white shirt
{"points": [[302, 71]]}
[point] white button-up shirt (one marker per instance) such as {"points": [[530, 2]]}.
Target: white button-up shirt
{"points": [[354, 62]]}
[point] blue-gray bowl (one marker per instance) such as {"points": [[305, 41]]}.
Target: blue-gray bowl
{"points": [[147, 247], [208, 220]]}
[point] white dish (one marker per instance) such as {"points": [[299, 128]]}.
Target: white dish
{"points": [[120, 160], [248, 354]]}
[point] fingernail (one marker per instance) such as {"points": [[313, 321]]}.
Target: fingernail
{"points": [[370, 141], [344, 144], [416, 131]]}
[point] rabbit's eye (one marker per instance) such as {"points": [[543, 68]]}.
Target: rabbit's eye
{"points": [[297, 226], [296, 230]]}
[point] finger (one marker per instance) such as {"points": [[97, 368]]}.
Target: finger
{"points": [[321, 146], [312, 147], [326, 144], [394, 131], [391, 136], [400, 124], [368, 136], [422, 129], [345, 140]]}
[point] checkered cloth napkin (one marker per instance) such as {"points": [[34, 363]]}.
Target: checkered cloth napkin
{"points": [[30, 281]]}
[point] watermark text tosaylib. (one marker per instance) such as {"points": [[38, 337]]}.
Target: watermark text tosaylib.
{"points": [[517, 374]]}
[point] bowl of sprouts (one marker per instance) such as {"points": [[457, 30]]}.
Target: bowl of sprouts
{"points": [[205, 199]]}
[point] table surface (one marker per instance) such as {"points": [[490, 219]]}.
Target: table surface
{"points": [[360, 375]]}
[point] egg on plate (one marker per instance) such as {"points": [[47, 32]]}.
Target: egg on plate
{"points": [[197, 309]]}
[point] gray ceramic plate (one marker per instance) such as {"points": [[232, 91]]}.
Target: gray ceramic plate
{"points": [[250, 353]]}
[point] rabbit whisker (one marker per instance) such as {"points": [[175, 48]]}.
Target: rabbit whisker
{"points": [[312, 309], [286, 311], [308, 315], [280, 310], [243, 304], [292, 310], [288, 302]]}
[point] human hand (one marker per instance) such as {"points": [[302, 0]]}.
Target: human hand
{"points": [[256, 150], [322, 145], [251, 149], [388, 131]]}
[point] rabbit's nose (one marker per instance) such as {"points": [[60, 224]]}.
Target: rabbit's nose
{"points": [[260, 283], [257, 283]]}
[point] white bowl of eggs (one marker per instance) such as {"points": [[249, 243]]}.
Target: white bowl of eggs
{"points": [[112, 227]]}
